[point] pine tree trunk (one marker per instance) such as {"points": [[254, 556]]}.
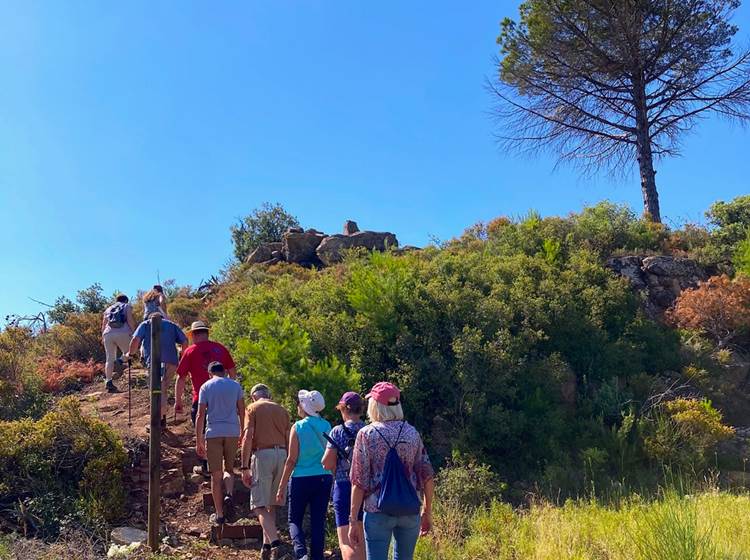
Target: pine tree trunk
{"points": [[645, 154]]}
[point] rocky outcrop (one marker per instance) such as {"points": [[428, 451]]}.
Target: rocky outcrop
{"points": [[659, 278], [314, 248], [332, 249], [299, 247], [265, 252]]}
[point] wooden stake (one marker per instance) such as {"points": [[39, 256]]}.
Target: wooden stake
{"points": [[154, 451]]}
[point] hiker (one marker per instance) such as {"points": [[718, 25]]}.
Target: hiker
{"points": [[118, 325], [337, 457], [155, 301], [171, 336], [390, 467], [195, 361], [263, 457], [310, 483], [225, 402]]}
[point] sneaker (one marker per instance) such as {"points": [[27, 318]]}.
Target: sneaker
{"points": [[228, 507], [110, 387], [216, 520], [201, 470]]}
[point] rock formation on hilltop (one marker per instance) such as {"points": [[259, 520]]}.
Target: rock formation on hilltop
{"points": [[314, 248]]}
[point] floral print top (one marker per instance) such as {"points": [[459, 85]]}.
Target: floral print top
{"points": [[368, 459]]}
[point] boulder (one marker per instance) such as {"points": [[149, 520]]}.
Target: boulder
{"points": [[264, 252], [630, 268], [128, 535], [660, 279], [350, 227], [673, 267], [299, 247], [331, 250]]}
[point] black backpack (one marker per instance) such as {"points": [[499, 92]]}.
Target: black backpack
{"points": [[117, 315]]}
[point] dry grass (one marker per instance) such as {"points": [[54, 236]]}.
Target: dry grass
{"points": [[710, 526]]}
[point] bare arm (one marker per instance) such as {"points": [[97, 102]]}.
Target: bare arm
{"points": [[291, 462], [179, 391], [200, 422], [247, 441], [135, 342], [330, 458], [104, 323], [241, 414], [429, 494], [356, 535], [130, 319]]}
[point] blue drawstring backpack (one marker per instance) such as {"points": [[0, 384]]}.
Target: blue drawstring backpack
{"points": [[397, 494]]}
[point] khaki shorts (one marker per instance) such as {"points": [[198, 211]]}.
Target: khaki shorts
{"points": [[266, 468], [221, 452]]}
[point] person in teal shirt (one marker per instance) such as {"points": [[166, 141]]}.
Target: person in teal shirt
{"points": [[310, 483]]}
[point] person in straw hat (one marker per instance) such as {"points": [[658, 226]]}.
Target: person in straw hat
{"points": [[194, 362]]}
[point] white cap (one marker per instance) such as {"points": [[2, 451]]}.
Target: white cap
{"points": [[311, 402]]}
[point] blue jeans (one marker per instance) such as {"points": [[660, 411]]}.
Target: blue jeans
{"points": [[379, 528], [315, 492]]}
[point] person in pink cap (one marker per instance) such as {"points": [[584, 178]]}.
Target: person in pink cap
{"points": [[388, 430], [337, 458]]}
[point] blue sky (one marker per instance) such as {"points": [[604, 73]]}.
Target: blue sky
{"points": [[132, 134]]}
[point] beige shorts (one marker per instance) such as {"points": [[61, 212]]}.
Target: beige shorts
{"points": [[221, 452], [266, 468]]}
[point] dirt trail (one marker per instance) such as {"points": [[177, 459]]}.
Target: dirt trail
{"points": [[182, 504]]}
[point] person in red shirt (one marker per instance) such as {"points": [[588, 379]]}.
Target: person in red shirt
{"points": [[194, 361]]}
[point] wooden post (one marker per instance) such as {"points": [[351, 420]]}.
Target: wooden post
{"points": [[154, 450]]}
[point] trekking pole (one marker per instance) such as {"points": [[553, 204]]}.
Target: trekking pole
{"points": [[130, 422]]}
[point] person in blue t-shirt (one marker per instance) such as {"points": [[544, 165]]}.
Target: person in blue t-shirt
{"points": [[338, 458], [311, 483], [171, 336]]}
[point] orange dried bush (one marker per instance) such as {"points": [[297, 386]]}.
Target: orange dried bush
{"points": [[57, 374], [719, 307]]}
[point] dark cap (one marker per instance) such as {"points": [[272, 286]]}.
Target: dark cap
{"points": [[216, 367], [352, 399]]}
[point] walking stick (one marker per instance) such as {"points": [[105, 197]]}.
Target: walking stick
{"points": [[130, 423]]}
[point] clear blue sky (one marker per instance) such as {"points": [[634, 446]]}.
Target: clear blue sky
{"points": [[132, 134]]}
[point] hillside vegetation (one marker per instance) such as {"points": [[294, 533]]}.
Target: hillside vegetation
{"points": [[530, 367]]}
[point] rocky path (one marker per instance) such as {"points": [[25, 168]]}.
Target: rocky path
{"points": [[185, 519]]}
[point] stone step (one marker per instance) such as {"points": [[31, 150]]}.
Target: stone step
{"points": [[236, 532]]}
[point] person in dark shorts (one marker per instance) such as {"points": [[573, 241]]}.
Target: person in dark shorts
{"points": [[337, 458]]}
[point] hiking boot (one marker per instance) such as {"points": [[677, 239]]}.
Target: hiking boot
{"points": [[110, 387], [216, 520], [276, 554], [265, 553], [163, 422], [228, 507]]}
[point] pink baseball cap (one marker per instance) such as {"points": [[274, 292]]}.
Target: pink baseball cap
{"points": [[384, 393]]}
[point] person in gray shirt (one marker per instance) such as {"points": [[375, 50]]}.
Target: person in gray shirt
{"points": [[224, 400]]}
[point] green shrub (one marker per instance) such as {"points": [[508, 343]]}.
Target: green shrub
{"points": [[276, 351], [468, 484], [64, 469], [683, 432]]}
